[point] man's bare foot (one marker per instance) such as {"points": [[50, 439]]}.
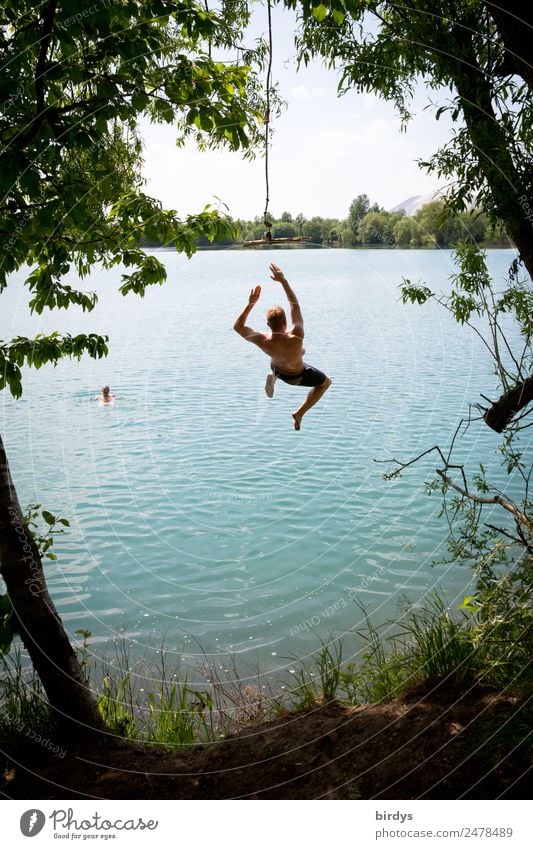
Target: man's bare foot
{"points": [[297, 421], [269, 385]]}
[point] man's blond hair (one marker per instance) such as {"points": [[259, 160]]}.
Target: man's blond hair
{"points": [[276, 319]]}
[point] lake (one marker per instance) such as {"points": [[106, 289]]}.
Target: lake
{"points": [[197, 512]]}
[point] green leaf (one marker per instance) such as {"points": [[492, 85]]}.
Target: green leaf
{"points": [[48, 517], [469, 604], [320, 12]]}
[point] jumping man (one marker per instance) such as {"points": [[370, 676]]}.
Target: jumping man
{"points": [[284, 347]]}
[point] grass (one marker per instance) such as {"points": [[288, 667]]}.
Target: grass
{"points": [[428, 650], [441, 647], [24, 711]]}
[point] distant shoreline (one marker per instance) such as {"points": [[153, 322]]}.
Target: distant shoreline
{"points": [[314, 246]]}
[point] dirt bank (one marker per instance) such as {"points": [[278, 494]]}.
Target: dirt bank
{"points": [[448, 748]]}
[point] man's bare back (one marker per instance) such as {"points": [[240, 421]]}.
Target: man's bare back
{"points": [[285, 351], [284, 346]]}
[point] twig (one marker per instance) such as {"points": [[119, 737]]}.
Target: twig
{"points": [[495, 499]]}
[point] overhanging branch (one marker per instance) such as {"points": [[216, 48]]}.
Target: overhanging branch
{"points": [[501, 413], [494, 499]]}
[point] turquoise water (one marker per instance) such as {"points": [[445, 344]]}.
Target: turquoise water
{"points": [[197, 512]]}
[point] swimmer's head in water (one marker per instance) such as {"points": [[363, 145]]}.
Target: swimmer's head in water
{"points": [[105, 390], [276, 319]]}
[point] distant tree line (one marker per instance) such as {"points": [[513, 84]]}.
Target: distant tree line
{"points": [[370, 225]]}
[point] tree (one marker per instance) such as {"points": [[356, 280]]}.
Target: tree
{"points": [[370, 229], [75, 83], [466, 46], [284, 228], [476, 51], [359, 207], [376, 228], [515, 23], [403, 232], [314, 228]]}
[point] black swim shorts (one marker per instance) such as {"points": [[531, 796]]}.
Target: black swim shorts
{"points": [[309, 376]]}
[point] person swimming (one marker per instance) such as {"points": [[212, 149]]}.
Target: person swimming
{"points": [[284, 347], [106, 396]]}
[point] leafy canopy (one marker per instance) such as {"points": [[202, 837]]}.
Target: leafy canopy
{"points": [[76, 80], [457, 49]]}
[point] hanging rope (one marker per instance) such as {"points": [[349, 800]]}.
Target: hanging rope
{"points": [[266, 221], [267, 238]]}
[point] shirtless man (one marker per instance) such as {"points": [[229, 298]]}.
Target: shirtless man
{"points": [[106, 397], [284, 347]]}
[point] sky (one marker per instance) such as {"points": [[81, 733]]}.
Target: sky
{"points": [[325, 150]]}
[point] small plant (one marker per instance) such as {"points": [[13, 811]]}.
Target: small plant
{"points": [[176, 716], [319, 681], [441, 647], [83, 650], [502, 615], [44, 538], [329, 665], [116, 708], [427, 648], [382, 671], [305, 693]]}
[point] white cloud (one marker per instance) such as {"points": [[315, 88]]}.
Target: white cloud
{"points": [[305, 92]]}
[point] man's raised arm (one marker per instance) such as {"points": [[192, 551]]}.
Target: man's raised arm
{"points": [[240, 326], [296, 313]]}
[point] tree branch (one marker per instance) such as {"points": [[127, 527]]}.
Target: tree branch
{"points": [[49, 12], [495, 499], [508, 405]]}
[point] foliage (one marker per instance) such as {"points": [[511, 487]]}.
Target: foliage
{"points": [[374, 227], [44, 538], [502, 609], [387, 49], [473, 296], [427, 648], [23, 706], [43, 349], [147, 702], [76, 83], [319, 680]]}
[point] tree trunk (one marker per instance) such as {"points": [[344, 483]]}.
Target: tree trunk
{"points": [[39, 624], [514, 20], [511, 195]]}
